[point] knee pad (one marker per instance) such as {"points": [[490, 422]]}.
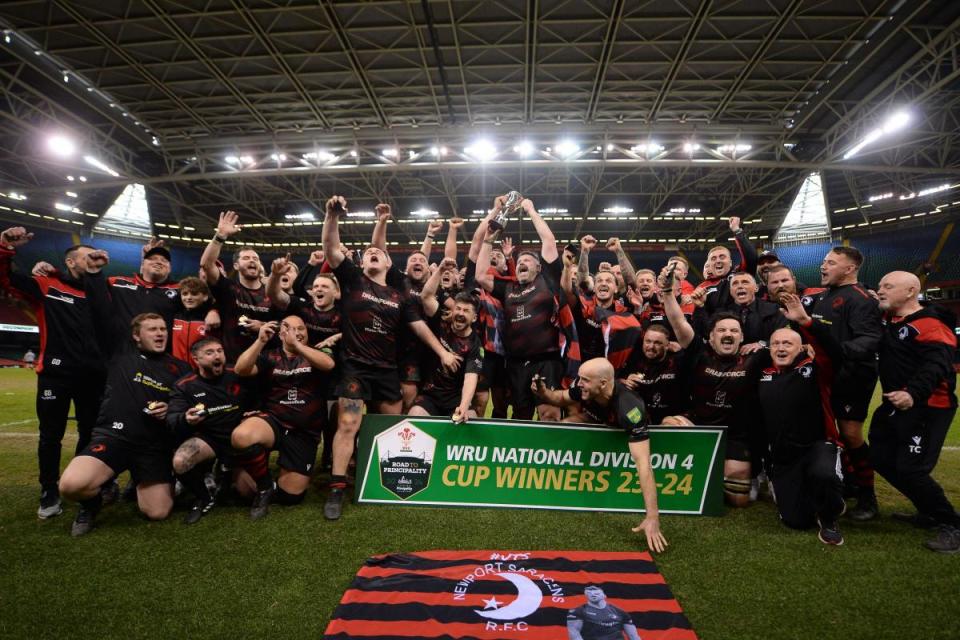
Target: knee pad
{"points": [[736, 486], [282, 497]]}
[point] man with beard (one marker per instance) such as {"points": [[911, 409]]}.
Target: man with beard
{"points": [[373, 313], [766, 261], [604, 400], [599, 620], [203, 412], [758, 318], [716, 286], [657, 374], [781, 280], [242, 302], [320, 314], [800, 433], [69, 367], [854, 320], [532, 339], [590, 313], [723, 388], [445, 393], [919, 401], [291, 418]]}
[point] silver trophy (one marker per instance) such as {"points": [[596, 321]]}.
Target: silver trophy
{"points": [[510, 206]]}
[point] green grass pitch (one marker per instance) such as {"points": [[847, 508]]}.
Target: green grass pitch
{"points": [[740, 576]]}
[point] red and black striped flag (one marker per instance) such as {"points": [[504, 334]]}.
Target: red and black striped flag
{"points": [[501, 594]]}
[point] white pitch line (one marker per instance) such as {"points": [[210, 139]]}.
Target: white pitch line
{"points": [[16, 422]]}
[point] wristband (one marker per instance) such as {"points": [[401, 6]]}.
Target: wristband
{"points": [[666, 290], [431, 237], [218, 238]]}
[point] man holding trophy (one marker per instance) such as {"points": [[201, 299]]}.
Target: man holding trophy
{"points": [[531, 335]]}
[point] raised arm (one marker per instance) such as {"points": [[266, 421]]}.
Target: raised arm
{"points": [[246, 365], [548, 243], [336, 206], [626, 267], [226, 227], [379, 237], [106, 324], [278, 297], [10, 239], [587, 243], [433, 228], [483, 276], [671, 307], [748, 252], [428, 295], [478, 235], [453, 230]]}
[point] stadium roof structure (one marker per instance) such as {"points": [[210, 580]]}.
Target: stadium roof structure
{"points": [[653, 120]]}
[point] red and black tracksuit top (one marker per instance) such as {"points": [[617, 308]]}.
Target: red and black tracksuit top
{"points": [[916, 356], [854, 320], [67, 342]]}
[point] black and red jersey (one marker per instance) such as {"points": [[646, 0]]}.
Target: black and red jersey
{"points": [[625, 410], [68, 345], [132, 295], [530, 314], [917, 354], [664, 387], [295, 392], [854, 320], [724, 388], [320, 324], [443, 383], [589, 327], [234, 300], [189, 325], [372, 317], [221, 397], [718, 289], [795, 405], [134, 380]]}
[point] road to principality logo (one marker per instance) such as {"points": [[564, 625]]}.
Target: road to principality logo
{"points": [[406, 455]]}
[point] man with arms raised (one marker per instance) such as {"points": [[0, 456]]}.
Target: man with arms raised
{"points": [[373, 313], [204, 410], [716, 287], [242, 302], [604, 400], [69, 367], [854, 321], [919, 401], [448, 393], [723, 388], [291, 418], [532, 339]]}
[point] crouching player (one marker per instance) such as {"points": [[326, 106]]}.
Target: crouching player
{"points": [[291, 419], [447, 393], [605, 400], [799, 425], [130, 432], [204, 410]]}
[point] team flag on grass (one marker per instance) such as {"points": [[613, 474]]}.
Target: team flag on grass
{"points": [[503, 594]]}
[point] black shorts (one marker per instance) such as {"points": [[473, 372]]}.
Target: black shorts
{"points": [[297, 448], [220, 443], [520, 373], [494, 372], [370, 384], [738, 449], [851, 397], [146, 467], [437, 405]]}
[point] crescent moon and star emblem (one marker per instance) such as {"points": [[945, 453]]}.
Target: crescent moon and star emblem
{"points": [[528, 600]]}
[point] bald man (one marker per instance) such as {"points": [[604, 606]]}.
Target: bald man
{"points": [[799, 427], [919, 401], [604, 400]]}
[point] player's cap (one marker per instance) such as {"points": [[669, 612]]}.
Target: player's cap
{"points": [[158, 251], [768, 256]]}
